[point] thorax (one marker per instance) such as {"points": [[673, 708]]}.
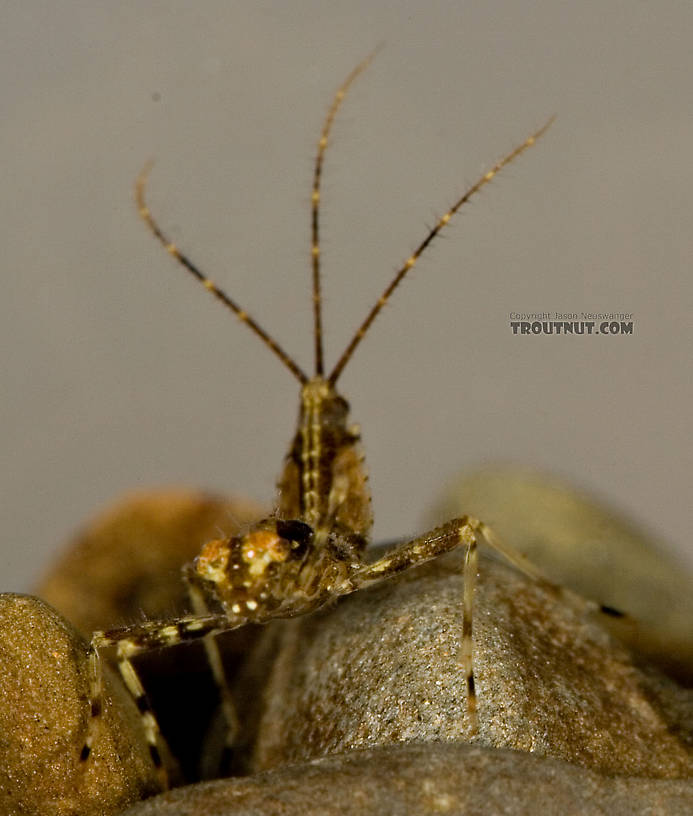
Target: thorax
{"points": [[324, 481]]}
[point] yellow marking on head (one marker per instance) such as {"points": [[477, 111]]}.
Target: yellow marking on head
{"points": [[144, 212], [444, 220], [323, 142], [172, 249], [208, 284], [315, 197], [315, 250], [214, 550], [213, 559], [410, 261], [489, 175], [265, 542], [262, 547]]}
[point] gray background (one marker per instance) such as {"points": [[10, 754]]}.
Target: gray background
{"points": [[117, 372]]}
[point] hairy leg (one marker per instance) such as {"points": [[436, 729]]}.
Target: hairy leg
{"points": [[200, 607], [130, 641], [460, 532]]}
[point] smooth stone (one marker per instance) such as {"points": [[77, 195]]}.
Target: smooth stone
{"points": [[43, 720], [437, 778], [381, 667]]}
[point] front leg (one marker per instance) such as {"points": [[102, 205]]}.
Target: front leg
{"points": [[130, 641], [460, 532]]}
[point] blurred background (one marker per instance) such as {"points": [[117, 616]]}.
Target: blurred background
{"points": [[117, 372]]}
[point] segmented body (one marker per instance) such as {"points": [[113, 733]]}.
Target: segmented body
{"points": [[311, 550]]}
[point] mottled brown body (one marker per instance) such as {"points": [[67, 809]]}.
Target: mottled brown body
{"points": [[311, 550], [324, 481], [305, 553]]}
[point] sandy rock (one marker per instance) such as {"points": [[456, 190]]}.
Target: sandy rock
{"points": [[417, 780], [366, 682], [580, 542], [43, 716], [381, 668], [125, 567], [127, 562]]}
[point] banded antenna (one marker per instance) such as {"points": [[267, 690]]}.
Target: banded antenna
{"points": [[253, 325]]}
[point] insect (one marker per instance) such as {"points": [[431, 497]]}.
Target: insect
{"points": [[311, 549]]}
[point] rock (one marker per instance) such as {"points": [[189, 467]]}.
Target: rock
{"points": [[438, 778], [581, 543], [127, 562], [125, 567], [373, 682], [382, 668], [43, 717]]}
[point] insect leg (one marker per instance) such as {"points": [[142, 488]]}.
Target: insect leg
{"points": [[216, 664], [459, 532], [132, 640], [522, 563]]}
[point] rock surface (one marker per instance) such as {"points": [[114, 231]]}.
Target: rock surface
{"points": [[124, 567], [418, 780], [583, 544], [43, 717], [382, 668], [366, 681]]}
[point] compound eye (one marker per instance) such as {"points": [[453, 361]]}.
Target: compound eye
{"points": [[297, 532]]}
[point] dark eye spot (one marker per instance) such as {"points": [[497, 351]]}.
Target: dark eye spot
{"points": [[299, 533], [612, 612]]}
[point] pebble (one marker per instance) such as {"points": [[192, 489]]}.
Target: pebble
{"points": [[125, 567], [382, 668], [43, 718], [427, 780], [361, 707]]}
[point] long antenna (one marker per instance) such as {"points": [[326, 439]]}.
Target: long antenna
{"points": [[315, 209], [414, 257], [182, 259]]}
